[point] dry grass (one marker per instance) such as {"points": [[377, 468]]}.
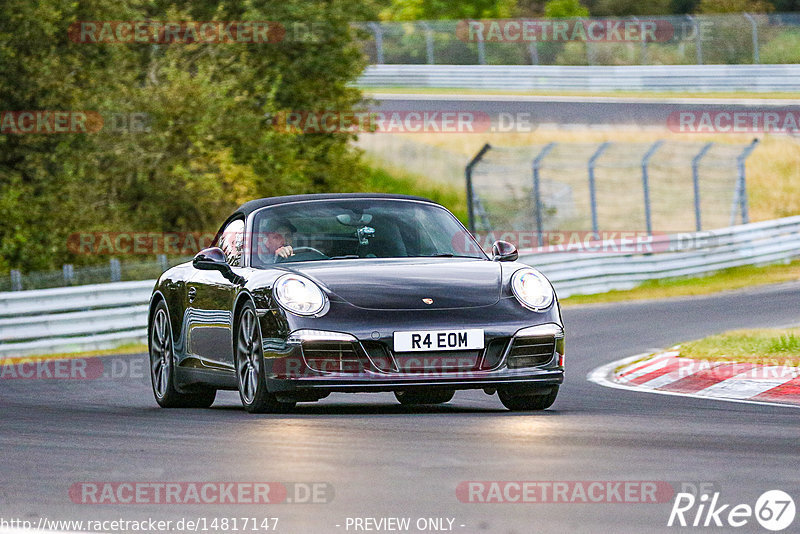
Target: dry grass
{"points": [[773, 170]]}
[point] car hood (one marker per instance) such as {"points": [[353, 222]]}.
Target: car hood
{"points": [[402, 284]]}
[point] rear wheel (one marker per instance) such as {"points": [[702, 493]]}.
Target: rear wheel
{"points": [[162, 368], [250, 373], [413, 397], [528, 401]]}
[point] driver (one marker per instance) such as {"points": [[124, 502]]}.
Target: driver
{"points": [[275, 240]]}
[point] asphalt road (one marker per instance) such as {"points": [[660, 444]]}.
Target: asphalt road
{"points": [[386, 460], [565, 111]]}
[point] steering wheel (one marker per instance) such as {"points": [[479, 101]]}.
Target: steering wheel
{"points": [[301, 250]]}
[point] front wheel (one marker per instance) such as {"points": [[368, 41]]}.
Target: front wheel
{"points": [[526, 403], [413, 397], [250, 373], [162, 368]]}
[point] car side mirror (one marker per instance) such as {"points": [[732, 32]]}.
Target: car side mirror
{"points": [[504, 251], [211, 259]]}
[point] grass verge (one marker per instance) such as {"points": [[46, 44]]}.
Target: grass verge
{"points": [[381, 179], [725, 280], [132, 348], [762, 346]]}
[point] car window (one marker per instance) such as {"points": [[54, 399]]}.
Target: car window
{"points": [[231, 241], [359, 228]]}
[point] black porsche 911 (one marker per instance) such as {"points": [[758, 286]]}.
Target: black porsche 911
{"points": [[304, 295]]}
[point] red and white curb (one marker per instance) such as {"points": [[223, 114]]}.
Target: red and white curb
{"points": [[666, 373]]}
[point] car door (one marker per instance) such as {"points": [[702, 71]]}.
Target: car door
{"points": [[210, 296]]}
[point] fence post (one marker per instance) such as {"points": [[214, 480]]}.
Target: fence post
{"points": [[16, 280], [592, 193], [162, 260], [377, 30], [698, 39], [644, 41], [741, 186], [749, 17], [481, 50], [537, 197], [588, 45], [470, 195], [533, 49], [116, 269], [646, 185], [69, 273], [428, 41], [696, 184]]}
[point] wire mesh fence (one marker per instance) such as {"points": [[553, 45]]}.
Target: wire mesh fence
{"points": [[645, 187], [113, 271], [663, 40]]}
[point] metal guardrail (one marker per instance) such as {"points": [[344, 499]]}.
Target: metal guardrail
{"points": [[102, 316], [713, 39], [697, 253], [71, 319], [703, 78]]}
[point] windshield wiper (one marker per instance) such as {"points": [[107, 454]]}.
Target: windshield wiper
{"points": [[345, 257]]}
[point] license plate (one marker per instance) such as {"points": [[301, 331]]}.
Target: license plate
{"points": [[429, 340]]}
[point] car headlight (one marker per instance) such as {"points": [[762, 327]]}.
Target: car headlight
{"points": [[299, 295], [532, 289]]}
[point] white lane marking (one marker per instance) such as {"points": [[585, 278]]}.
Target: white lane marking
{"points": [[600, 376], [740, 388]]}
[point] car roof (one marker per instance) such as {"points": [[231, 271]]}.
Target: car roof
{"points": [[251, 206]]}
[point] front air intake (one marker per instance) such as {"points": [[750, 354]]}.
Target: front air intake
{"points": [[530, 352], [332, 357]]}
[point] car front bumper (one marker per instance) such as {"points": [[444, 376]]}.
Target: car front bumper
{"points": [[288, 370]]}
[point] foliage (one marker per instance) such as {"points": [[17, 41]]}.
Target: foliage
{"points": [[209, 143], [564, 8], [400, 10]]}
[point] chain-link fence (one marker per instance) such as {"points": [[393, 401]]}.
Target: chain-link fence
{"points": [[662, 40], [113, 271], [648, 187]]}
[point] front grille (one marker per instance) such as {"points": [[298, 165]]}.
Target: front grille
{"points": [[332, 357], [417, 362], [437, 361], [530, 352]]}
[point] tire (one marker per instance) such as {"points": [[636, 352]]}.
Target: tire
{"points": [[527, 403], [250, 373], [415, 397], [162, 368]]}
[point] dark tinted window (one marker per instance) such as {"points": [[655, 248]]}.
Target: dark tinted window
{"points": [[359, 228]]}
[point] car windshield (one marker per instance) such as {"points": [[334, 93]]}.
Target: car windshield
{"points": [[358, 228]]}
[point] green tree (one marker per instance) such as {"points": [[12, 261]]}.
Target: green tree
{"points": [[210, 143], [400, 10], [556, 9]]}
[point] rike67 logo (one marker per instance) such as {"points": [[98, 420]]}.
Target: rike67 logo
{"points": [[774, 510]]}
